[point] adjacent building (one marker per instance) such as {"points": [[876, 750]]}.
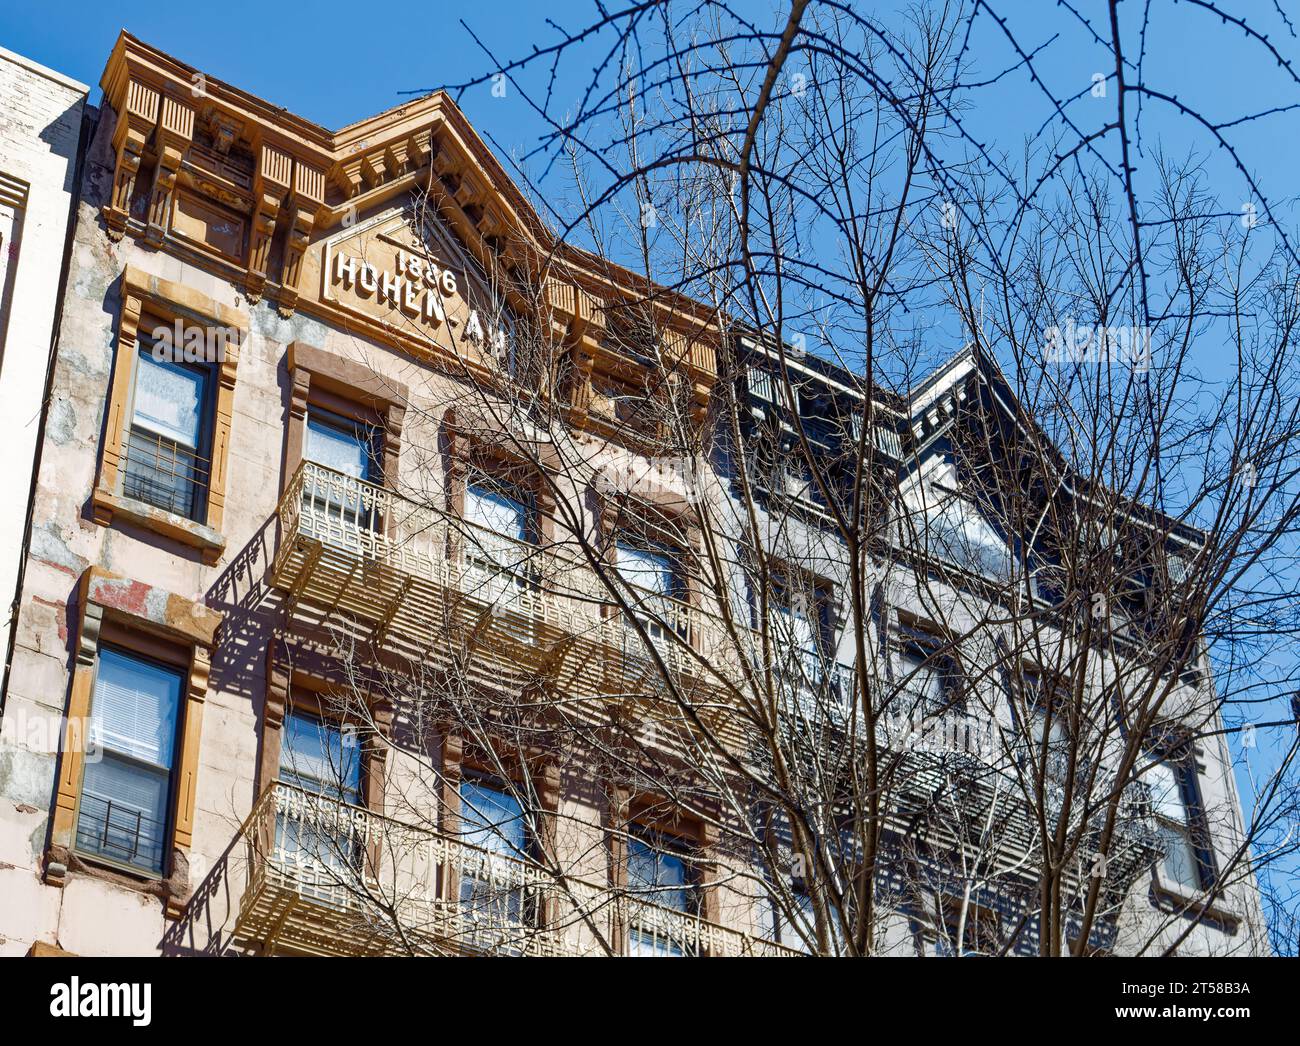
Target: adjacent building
{"points": [[40, 146]]}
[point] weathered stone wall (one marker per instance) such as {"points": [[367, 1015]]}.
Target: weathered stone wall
{"points": [[40, 127]]}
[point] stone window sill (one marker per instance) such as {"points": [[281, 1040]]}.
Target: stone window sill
{"points": [[61, 864], [109, 506]]}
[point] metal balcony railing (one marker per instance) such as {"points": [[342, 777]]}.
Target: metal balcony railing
{"points": [[119, 832], [327, 878], [376, 560], [163, 473]]}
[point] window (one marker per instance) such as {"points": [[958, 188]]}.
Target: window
{"points": [[321, 758], [1046, 729], [800, 631], [315, 837], [660, 872], [1178, 819], [169, 414], [653, 575], [925, 673], [164, 460], [338, 498], [494, 895], [126, 794], [498, 538]]}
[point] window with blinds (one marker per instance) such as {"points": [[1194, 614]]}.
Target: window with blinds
{"points": [[126, 791], [165, 452]]}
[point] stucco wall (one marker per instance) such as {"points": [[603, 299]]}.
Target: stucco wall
{"points": [[40, 126]]}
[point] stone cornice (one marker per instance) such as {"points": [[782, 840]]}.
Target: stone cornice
{"points": [[224, 179]]}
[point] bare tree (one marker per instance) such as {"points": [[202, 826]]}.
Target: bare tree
{"points": [[920, 647]]}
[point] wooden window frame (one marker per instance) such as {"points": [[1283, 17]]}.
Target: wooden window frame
{"points": [[626, 809], [667, 521], [496, 453], [145, 295], [289, 689], [206, 422], [350, 390], [159, 625], [150, 650], [457, 757]]}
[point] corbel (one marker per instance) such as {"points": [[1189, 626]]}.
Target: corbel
{"points": [[175, 132], [225, 131], [418, 148], [307, 198], [395, 157], [270, 187], [374, 168], [135, 123]]}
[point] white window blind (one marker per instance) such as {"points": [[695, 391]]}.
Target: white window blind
{"points": [[135, 708], [169, 400], [341, 449], [132, 790]]}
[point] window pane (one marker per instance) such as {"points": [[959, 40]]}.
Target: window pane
{"points": [[646, 569], [496, 511], [920, 675], [343, 449], [658, 875], [123, 811], [1180, 863], [796, 627], [492, 819], [162, 472], [134, 708], [1166, 792], [643, 943], [169, 399], [317, 757]]}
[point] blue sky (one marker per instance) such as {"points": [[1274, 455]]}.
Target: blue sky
{"points": [[335, 63]]}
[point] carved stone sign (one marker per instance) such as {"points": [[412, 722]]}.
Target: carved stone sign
{"points": [[419, 287]]}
